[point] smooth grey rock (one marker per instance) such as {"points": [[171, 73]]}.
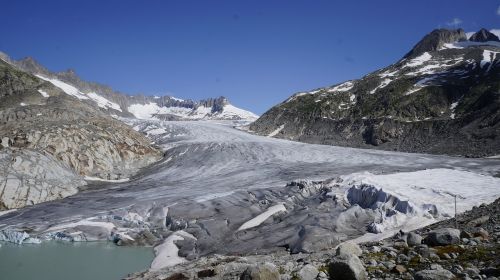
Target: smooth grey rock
{"points": [[444, 236], [413, 239], [349, 248], [436, 266], [346, 268], [440, 274], [31, 177], [266, 271], [308, 272]]}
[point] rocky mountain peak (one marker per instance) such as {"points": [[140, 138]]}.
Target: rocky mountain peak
{"points": [[29, 64], [484, 35], [435, 40], [70, 76], [4, 57]]}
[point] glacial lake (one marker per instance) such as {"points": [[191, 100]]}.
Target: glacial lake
{"points": [[76, 261]]}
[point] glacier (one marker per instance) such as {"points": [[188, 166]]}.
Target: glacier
{"points": [[228, 188]]}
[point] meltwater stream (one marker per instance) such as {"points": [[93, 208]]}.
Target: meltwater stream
{"points": [[76, 261]]}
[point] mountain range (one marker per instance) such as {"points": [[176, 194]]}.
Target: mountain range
{"points": [[58, 132], [139, 106], [442, 97]]}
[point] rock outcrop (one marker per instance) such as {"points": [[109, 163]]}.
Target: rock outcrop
{"points": [[56, 139], [484, 35], [436, 40], [443, 237], [28, 177]]}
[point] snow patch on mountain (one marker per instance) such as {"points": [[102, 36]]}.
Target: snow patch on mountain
{"points": [[231, 112], [73, 91], [419, 60], [67, 88], [43, 93], [488, 59], [276, 131], [148, 112], [342, 87], [452, 109], [466, 44], [383, 84]]}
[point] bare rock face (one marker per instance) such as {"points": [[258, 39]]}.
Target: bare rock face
{"points": [[105, 149], [28, 177], [435, 40], [483, 35], [49, 140]]}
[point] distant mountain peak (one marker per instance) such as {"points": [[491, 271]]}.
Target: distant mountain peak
{"points": [[141, 106], [435, 40], [484, 35], [29, 64]]}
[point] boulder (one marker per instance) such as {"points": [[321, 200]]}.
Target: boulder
{"points": [[413, 239], [478, 221], [465, 234], [308, 272], [480, 232], [439, 274], [349, 248], [346, 267], [399, 269], [443, 237], [266, 271]]}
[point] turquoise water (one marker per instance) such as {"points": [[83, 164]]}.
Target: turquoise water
{"points": [[75, 261]]}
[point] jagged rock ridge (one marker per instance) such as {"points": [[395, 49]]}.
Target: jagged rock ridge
{"points": [[161, 107], [483, 35]]}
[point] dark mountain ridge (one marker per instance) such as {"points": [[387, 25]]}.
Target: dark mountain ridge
{"points": [[442, 97]]}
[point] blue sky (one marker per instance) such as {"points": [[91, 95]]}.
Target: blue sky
{"points": [[256, 53]]}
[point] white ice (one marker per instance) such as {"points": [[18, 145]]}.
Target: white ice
{"points": [[86, 222], [276, 131], [259, 219], [436, 187], [167, 252], [90, 178], [43, 93], [419, 60], [346, 86], [383, 84]]}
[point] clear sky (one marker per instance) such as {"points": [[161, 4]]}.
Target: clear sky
{"points": [[256, 53]]}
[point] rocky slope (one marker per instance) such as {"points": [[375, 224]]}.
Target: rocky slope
{"points": [[139, 106], [434, 252], [65, 137], [443, 97], [33, 177]]}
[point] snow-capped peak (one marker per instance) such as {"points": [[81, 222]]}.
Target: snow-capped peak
{"points": [[153, 110]]}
